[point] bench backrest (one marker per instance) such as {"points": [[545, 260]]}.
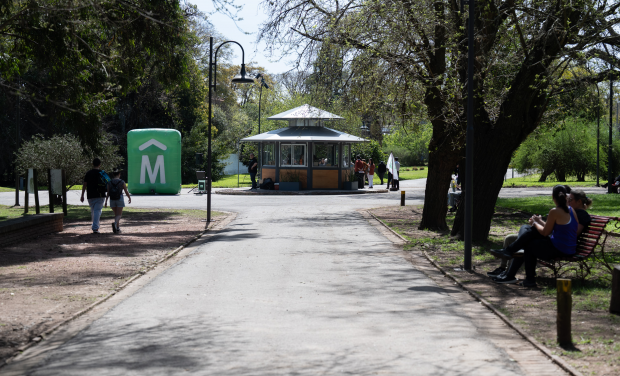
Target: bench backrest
{"points": [[589, 238]]}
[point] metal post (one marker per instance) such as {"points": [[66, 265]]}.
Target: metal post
{"points": [[17, 142], [49, 190], [402, 198], [260, 144], [609, 150], [26, 194], [469, 163], [565, 305], [211, 88], [614, 303], [37, 208], [598, 136], [64, 192]]}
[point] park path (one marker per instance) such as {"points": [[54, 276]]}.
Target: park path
{"points": [[294, 286]]}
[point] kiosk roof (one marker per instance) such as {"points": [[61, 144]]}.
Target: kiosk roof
{"points": [[304, 134], [305, 112]]}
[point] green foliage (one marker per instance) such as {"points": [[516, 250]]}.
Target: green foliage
{"points": [[411, 147], [369, 150], [196, 141], [566, 150], [67, 153]]}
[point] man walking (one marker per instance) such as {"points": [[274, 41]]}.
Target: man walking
{"points": [[396, 183], [252, 169], [359, 171], [381, 168], [95, 193]]}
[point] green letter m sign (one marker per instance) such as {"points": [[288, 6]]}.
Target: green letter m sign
{"points": [[154, 159]]}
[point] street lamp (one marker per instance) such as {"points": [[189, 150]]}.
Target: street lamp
{"points": [[241, 78], [469, 153], [609, 150], [260, 95]]}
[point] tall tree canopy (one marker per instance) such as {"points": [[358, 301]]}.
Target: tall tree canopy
{"points": [[522, 49]]}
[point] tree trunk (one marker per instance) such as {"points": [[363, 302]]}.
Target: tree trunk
{"points": [[492, 156], [445, 150], [560, 175], [441, 164], [543, 176]]}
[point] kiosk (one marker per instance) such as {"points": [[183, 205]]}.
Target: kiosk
{"points": [[319, 156]]}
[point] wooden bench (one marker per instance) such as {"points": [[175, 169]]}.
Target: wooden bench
{"points": [[587, 244]]}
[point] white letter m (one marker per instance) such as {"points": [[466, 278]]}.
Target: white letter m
{"points": [[159, 166]]}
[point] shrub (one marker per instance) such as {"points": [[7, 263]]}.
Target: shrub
{"points": [[67, 153]]}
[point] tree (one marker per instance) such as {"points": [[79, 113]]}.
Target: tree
{"points": [[67, 153], [522, 48]]}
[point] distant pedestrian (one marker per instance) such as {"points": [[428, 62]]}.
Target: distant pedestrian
{"points": [[94, 184], [115, 194], [381, 168], [396, 182], [371, 172], [252, 169], [359, 171]]}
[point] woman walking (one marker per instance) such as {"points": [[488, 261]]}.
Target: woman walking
{"points": [[371, 172], [115, 193]]}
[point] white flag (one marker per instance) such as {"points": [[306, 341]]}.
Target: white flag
{"points": [[391, 166]]}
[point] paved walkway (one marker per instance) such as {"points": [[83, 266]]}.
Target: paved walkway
{"points": [[296, 285]]}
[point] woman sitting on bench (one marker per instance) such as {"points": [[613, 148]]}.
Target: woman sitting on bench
{"points": [[577, 200], [545, 240]]}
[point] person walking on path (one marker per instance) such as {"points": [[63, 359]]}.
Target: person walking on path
{"points": [[396, 182], [95, 192], [359, 171], [115, 194], [381, 168], [252, 169], [371, 172]]}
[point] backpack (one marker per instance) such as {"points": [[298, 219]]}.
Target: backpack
{"points": [[102, 186], [267, 184], [115, 190]]}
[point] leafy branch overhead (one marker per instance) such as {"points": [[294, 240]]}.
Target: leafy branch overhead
{"points": [[523, 50]]}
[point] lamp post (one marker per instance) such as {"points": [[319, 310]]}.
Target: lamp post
{"points": [[609, 150], [469, 154], [260, 95], [240, 79]]}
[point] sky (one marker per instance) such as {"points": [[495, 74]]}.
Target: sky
{"points": [[252, 16]]}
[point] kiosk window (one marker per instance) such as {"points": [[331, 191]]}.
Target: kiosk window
{"points": [[346, 156], [324, 155], [269, 154], [293, 155]]}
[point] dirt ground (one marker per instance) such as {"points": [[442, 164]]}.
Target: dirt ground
{"points": [[46, 280], [596, 332]]}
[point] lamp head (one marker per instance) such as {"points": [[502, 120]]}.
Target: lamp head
{"points": [[242, 77]]}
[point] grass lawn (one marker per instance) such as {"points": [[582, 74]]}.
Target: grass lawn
{"points": [[532, 181], [406, 173], [603, 204], [82, 212]]}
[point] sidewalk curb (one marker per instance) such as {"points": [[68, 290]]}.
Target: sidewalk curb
{"points": [[233, 192], [222, 223], [554, 358]]}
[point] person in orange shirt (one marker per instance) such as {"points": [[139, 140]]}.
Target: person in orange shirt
{"points": [[371, 172], [359, 171]]}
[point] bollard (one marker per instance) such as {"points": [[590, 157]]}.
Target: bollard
{"points": [[565, 305], [402, 198], [614, 304], [49, 190], [64, 192], [37, 208]]}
